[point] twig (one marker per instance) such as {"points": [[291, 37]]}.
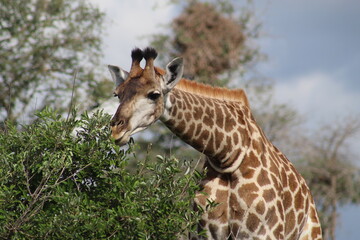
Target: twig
{"points": [[72, 175], [72, 93], [188, 182]]}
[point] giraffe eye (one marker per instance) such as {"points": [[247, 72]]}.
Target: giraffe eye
{"points": [[115, 95], [153, 95]]}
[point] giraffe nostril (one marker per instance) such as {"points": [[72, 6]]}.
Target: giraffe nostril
{"points": [[114, 123]]}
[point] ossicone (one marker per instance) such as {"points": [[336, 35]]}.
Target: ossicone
{"points": [[150, 53], [137, 55]]}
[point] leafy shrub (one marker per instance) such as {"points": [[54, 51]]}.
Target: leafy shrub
{"points": [[59, 185]]}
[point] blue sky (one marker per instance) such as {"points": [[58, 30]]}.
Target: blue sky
{"points": [[314, 54], [313, 49]]}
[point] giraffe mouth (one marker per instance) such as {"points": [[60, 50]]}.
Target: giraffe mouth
{"points": [[121, 141], [123, 137]]}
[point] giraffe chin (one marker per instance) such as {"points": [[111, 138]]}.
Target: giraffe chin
{"points": [[121, 139]]}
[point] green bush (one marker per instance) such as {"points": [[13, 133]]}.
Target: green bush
{"points": [[58, 184]]}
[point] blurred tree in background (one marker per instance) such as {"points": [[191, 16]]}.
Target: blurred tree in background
{"points": [[43, 45]]}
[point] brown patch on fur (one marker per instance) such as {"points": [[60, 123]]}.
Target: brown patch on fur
{"points": [[219, 136], [236, 138], [292, 182], [208, 120], [222, 196], [290, 222], [280, 209], [248, 166], [220, 119], [228, 141], [188, 116], [258, 145], [269, 195], [220, 212], [263, 178], [197, 113], [287, 199], [278, 232], [252, 222], [180, 115], [248, 192], [299, 200], [229, 124], [246, 172], [260, 207], [254, 161], [316, 231], [271, 217], [180, 104], [191, 129], [182, 125]]}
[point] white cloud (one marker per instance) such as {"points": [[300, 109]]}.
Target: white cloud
{"points": [[319, 96], [128, 23]]}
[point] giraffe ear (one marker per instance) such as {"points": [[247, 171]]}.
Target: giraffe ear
{"points": [[118, 75], [174, 72]]}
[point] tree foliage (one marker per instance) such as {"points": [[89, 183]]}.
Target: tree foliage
{"points": [[60, 185], [43, 44]]}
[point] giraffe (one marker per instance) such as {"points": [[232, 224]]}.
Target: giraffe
{"points": [[259, 193]]}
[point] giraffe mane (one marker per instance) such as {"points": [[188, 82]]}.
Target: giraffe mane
{"points": [[234, 95]]}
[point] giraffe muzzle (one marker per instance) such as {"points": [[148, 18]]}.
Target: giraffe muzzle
{"points": [[121, 138]]}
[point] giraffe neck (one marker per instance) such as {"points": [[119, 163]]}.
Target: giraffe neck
{"points": [[220, 129]]}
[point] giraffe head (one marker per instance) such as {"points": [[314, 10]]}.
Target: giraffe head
{"points": [[142, 93]]}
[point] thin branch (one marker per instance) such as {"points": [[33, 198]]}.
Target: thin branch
{"points": [[72, 93], [72, 175], [188, 182]]}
